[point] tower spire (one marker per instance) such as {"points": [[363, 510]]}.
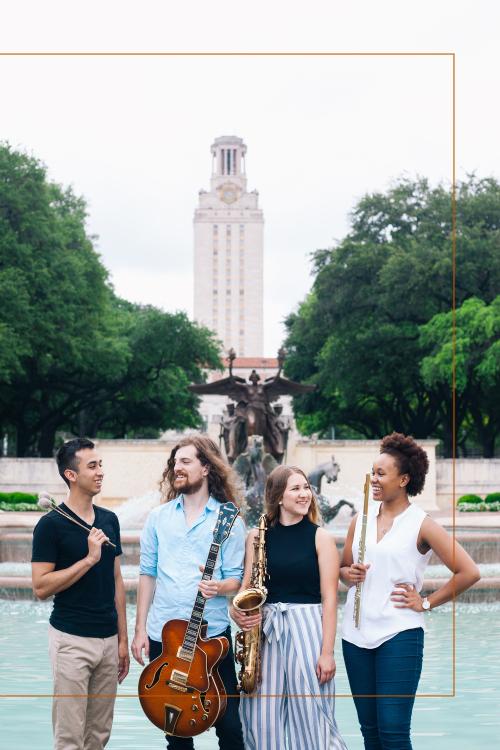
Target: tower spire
{"points": [[228, 161], [228, 253]]}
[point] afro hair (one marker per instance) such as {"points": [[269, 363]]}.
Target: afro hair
{"points": [[410, 458]]}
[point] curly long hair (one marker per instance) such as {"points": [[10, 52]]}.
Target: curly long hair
{"points": [[275, 489], [223, 483], [410, 458]]}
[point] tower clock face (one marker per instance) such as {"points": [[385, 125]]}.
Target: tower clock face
{"points": [[228, 193]]}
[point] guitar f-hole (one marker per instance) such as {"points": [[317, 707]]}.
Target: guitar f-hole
{"points": [[157, 675]]}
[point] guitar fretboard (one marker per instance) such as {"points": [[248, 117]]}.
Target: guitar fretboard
{"points": [[193, 629]]}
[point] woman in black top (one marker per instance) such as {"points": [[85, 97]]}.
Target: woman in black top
{"points": [[294, 706]]}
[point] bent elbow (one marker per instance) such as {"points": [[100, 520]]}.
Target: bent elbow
{"points": [[40, 593], [470, 576], [475, 575]]}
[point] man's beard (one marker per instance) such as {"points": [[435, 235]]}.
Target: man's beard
{"points": [[187, 487]]}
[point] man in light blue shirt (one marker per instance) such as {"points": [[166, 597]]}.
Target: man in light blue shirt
{"points": [[175, 543]]}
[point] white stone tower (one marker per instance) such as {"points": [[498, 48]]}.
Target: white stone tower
{"points": [[228, 253]]}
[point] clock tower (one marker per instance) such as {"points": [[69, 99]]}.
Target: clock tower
{"points": [[228, 253]]}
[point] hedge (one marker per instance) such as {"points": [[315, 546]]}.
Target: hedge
{"points": [[469, 499], [20, 506], [475, 507], [14, 498], [493, 497]]}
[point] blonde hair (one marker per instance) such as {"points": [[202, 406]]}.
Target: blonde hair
{"points": [[275, 489], [223, 483]]}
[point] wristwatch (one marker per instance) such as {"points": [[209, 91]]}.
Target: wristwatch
{"points": [[426, 605]]}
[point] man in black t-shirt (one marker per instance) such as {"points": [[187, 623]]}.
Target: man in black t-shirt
{"points": [[88, 641]]}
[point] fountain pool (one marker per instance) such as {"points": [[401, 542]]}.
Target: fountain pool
{"points": [[466, 721]]}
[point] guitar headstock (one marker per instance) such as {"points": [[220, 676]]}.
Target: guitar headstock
{"points": [[228, 513]]}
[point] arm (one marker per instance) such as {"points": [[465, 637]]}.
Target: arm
{"points": [[231, 570], [47, 581], [328, 561], [147, 583], [144, 598], [228, 586], [465, 571], [212, 588], [351, 573], [120, 604], [244, 621]]}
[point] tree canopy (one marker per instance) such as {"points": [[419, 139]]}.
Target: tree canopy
{"points": [[72, 355], [358, 333], [477, 367]]}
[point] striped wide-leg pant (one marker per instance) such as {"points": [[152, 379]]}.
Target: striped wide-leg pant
{"points": [[291, 709]]}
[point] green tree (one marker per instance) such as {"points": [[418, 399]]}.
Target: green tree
{"points": [[166, 353], [357, 335], [72, 356], [477, 367], [54, 299]]}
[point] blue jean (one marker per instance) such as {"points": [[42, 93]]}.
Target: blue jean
{"points": [[390, 673]]}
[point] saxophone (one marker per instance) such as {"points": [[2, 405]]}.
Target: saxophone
{"points": [[247, 651]]}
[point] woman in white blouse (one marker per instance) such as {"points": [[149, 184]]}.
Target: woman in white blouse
{"points": [[383, 656]]}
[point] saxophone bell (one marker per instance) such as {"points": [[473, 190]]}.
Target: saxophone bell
{"points": [[250, 601]]}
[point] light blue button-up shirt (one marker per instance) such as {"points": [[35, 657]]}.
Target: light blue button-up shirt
{"points": [[172, 552]]}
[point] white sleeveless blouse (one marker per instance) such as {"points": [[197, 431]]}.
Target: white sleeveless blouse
{"points": [[395, 559]]}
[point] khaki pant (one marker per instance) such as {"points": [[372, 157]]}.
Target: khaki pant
{"points": [[85, 672]]}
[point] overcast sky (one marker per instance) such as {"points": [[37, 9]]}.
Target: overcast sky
{"points": [[133, 134]]}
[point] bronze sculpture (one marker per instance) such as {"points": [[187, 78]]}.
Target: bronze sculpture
{"points": [[253, 413]]}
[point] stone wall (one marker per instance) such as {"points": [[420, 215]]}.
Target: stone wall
{"points": [[479, 476], [31, 475], [133, 468]]}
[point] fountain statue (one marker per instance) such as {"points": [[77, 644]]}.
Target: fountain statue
{"points": [[330, 469], [255, 437], [255, 433], [252, 413]]}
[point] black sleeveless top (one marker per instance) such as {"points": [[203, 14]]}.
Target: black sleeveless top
{"points": [[292, 563]]}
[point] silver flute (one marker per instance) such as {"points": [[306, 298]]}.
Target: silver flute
{"points": [[361, 552]]}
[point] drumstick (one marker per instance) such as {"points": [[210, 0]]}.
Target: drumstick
{"points": [[46, 502], [361, 551]]}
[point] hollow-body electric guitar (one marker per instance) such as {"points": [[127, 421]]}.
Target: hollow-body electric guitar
{"points": [[181, 691]]}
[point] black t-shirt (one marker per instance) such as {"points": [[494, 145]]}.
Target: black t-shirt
{"points": [[292, 563], [86, 608]]}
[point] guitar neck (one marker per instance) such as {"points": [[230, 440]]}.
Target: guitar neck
{"points": [[196, 619]]}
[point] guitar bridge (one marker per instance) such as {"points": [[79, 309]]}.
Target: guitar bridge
{"points": [[177, 687]]}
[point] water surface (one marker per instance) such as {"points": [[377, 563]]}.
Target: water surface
{"points": [[468, 721]]}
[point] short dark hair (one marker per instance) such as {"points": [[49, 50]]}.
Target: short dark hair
{"points": [[66, 455], [410, 458]]}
